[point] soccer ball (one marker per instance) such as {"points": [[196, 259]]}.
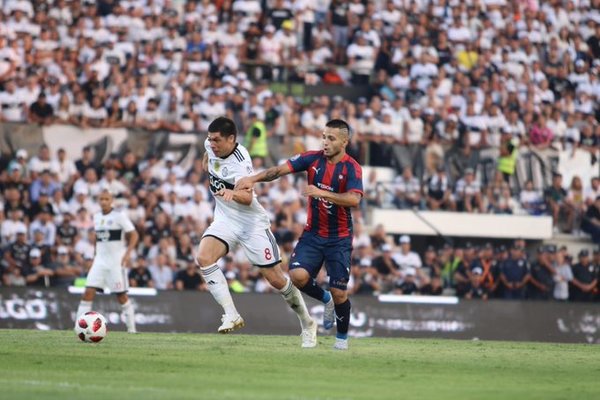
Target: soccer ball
{"points": [[91, 327]]}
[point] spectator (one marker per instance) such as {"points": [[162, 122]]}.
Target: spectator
{"points": [[468, 193], [189, 278], [542, 275], [408, 191], [514, 275], [40, 112], [36, 272], [161, 272], [585, 279], [438, 191], [591, 221], [140, 276], [562, 277], [555, 197], [531, 200]]}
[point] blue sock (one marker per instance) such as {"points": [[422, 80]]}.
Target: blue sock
{"points": [[314, 290], [342, 319]]}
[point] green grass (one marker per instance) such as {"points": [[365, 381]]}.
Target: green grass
{"points": [[54, 365]]}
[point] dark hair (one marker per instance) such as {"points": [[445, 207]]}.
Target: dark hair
{"points": [[339, 124], [225, 126]]}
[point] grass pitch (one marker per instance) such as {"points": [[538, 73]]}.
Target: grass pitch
{"points": [[54, 365]]}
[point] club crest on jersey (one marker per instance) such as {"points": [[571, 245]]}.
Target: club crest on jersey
{"points": [[217, 166], [109, 223], [101, 222], [225, 171], [297, 156]]}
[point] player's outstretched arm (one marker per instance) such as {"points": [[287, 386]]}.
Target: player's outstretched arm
{"points": [[346, 199], [267, 175]]}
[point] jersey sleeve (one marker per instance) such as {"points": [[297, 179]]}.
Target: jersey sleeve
{"points": [[126, 223], [243, 168], [355, 183], [301, 162]]}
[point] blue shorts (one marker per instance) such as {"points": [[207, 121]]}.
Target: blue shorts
{"points": [[312, 250]]}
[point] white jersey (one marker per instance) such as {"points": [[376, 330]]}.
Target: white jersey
{"points": [[110, 233], [223, 173]]}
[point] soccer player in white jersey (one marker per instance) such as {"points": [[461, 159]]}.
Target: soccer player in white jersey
{"points": [[116, 239], [240, 219]]}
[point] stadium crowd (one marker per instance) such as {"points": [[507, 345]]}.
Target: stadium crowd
{"points": [[446, 84]]}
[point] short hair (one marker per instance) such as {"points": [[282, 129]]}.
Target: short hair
{"points": [[225, 126], [341, 125]]}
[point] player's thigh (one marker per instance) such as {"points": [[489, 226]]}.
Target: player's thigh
{"points": [[116, 280], [307, 255], [216, 241], [260, 248], [337, 262], [96, 277]]}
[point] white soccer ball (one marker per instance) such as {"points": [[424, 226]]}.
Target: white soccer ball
{"points": [[91, 327]]}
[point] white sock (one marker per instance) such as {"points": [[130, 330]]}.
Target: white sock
{"points": [[84, 306], [294, 298], [217, 285], [129, 314]]}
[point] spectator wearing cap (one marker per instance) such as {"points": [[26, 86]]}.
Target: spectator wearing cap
{"points": [[514, 274], [583, 286], [20, 162], [409, 260], [36, 272], [555, 197], [476, 288], [562, 277], [40, 112], [541, 281]]}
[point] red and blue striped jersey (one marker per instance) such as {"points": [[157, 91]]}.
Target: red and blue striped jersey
{"points": [[325, 218]]}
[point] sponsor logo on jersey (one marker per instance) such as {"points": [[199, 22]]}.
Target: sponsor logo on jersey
{"points": [[225, 171], [217, 184]]}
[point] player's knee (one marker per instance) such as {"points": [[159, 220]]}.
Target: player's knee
{"points": [[204, 260], [299, 277], [339, 295]]}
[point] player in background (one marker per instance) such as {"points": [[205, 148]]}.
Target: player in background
{"points": [[241, 220], [116, 239], [334, 186]]}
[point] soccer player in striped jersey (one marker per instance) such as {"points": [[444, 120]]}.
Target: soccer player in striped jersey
{"points": [[116, 239], [334, 187], [241, 220]]}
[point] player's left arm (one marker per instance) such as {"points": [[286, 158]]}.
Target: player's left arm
{"points": [[350, 198], [131, 239], [346, 199]]}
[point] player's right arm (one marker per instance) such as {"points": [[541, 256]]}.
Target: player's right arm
{"points": [[267, 175]]}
